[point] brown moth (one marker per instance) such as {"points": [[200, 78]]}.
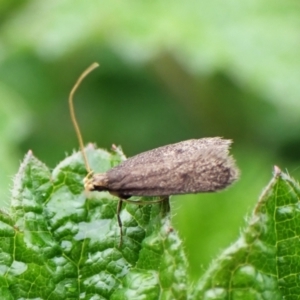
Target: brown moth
{"points": [[192, 166]]}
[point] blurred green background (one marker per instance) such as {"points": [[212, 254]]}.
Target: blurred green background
{"points": [[170, 71]]}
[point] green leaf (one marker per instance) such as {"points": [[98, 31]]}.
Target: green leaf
{"points": [[58, 242], [264, 262]]}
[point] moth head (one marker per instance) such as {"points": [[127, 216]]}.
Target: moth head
{"points": [[95, 182]]}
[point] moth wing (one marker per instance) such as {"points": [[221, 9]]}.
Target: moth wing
{"points": [[191, 166]]}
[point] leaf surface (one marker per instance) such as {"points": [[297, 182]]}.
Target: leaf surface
{"points": [[60, 242], [264, 262]]}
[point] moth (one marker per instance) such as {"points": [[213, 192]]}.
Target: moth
{"points": [[192, 166]]}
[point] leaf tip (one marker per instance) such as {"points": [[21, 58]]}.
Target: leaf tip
{"points": [[29, 153], [276, 171]]}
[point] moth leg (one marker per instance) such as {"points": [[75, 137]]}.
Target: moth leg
{"points": [[119, 207], [165, 205]]}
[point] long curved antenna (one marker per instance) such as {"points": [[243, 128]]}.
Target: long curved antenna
{"points": [[72, 112]]}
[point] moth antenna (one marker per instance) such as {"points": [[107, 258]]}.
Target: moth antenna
{"points": [[72, 112]]}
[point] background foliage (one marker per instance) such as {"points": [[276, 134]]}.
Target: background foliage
{"points": [[170, 71]]}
